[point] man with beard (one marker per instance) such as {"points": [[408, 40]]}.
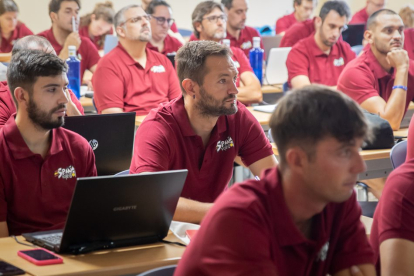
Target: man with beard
{"points": [[202, 131], [381, 80], [132, 77], [209, 23], [303, 11], [320, 58], [40, 160], [61, 35]]}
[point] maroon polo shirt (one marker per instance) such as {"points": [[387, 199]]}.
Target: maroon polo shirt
{"points": [[8, 108], [410, 141], [20, 31], [166, 141], [307, 59], [360, 17], [120, 81], [364, 78], [96, 40], [285, 22], [250, 231], [35, 193], [394, 215], [174, 27], [409, 42], [245, 41], [87, 52], [297, 32], [171, 45]]}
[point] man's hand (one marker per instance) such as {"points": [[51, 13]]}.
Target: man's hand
{"points": [[73, 39], [72, 110], [398, 59]]}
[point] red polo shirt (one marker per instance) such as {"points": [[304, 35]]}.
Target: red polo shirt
{"points": [[87, 52], [307, 59], [20, 31], [364, 78], [171, 45], [166, 141], [409, 42], [250, 231], [35, 193], [121, 82], [297, 32], [96, 40], [8, 108], [361, 17], [285, 22], [245, 41], [410, 141], [394, 216]]}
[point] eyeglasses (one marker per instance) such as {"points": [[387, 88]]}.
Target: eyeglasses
{"points": [[214, 18], [161, 20], [137, 19]]}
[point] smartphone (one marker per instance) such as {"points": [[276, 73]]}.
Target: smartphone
{"points": [[40, 256], [7, 269]]}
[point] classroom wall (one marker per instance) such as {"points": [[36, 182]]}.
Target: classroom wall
{"points": [[262, 12]]}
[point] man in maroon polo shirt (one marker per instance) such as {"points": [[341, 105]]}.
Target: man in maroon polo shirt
{"points": [[7, 105], [40, 160], [303, 11], [361, 17], [240, 35], [61, 35], [381, 80], [409, 42], [202, 131], [209, 23], [320, 58], [161, 21], [132, 77], [297, 32], [301, 217]]}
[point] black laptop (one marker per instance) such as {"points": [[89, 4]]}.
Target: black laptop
{"points": [[111, 137], [354, 34], [114, 211]]}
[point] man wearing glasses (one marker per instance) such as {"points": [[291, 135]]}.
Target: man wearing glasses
{"points": [[321, 57], [362, 16], [161, 22], [132, 78]]}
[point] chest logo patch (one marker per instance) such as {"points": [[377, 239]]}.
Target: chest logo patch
{"points": [[225, 145], [236, 64], [65, 173], [94, 144], [246, 45], [339, 62], [323, 253], [158, 69]]}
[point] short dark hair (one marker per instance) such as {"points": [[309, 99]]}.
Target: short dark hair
{"points": [[306, 115], [8, 6], [54, 5], [155, 3], [372, 20], [191, 57], [27, 65], [202, 9], [227, 3], [340, 7], [299, 2], [27, 41]]}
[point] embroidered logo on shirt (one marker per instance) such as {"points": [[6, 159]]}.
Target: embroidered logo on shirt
{"points": [[158, 69], [236, 64], [323, 253], [339, 62], [94, 144], [67, 173], [246, 45], [225, 145]]}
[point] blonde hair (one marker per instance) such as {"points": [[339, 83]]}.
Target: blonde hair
{"points": [[102, 10], [407, 16]]}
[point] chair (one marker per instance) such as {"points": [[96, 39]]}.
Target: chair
{"points": [[160, 271], [269, 136], [111, 41], [185, 32], [126, 172], [398, 154], [357, 49]]}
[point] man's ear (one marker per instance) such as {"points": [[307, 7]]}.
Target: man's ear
{"points": [[297, 160], [198, 27], [190, 87], [120, 31], [21, 95], [368, 35], [318, 22], [53, 16]]}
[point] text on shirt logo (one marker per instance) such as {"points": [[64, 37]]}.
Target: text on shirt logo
{"points": [[323, 253], [339, 62], [94, 144], [67, 173], [246, 45], [158, 69], [225, 145]]}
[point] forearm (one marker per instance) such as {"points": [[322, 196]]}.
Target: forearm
{"points": [[249, 94], [191, 211], [4, 231], [64, 54]]}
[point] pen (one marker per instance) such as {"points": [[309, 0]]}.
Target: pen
{"points": [[74, 24]]}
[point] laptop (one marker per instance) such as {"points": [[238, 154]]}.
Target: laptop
{"points": [[276, 71], [111, 137], [111, 41], [115, 211], [270, 42], [354, 34]]}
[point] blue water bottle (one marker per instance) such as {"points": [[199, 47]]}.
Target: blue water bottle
{"points": [[74, 71], [256, 59]]}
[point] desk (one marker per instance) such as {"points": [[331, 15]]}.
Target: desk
{"points": [[86, 102], [272, 93], [126, 260]]}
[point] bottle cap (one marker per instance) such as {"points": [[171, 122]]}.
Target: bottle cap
{"points": [[72, 50], [256, 42]]}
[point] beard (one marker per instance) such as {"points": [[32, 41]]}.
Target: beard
{"points": [[141, 36], [210, 107], [44, 119]]}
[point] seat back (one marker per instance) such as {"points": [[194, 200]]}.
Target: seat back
{"points": [[398, 154], [160, 271]]}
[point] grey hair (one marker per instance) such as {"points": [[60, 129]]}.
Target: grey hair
{"points": [[120, 15]]}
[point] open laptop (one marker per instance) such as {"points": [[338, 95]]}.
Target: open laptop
{"points": [[111, 137], [354, 34], [276, 71], [111, 41], [270, 42], [114, 211]]}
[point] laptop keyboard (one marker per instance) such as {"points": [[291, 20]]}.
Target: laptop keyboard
{"points": [[51, 238]]}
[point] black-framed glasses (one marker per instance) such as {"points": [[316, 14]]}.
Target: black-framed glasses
{"points": [[161, 20], [137, 19], [214, 18]]}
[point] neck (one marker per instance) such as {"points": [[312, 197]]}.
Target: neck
{"points": [[5, 34], [233, 32], [297, 17], [321, 45], [381, 58], [136, 49], [36, 138], [60, 34]]}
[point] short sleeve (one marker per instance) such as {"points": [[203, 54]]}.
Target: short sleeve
{"points": [[76, 102], [243, 61], [91, 53]]}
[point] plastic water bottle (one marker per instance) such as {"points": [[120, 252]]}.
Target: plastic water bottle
{"points": [[256, 59], [74, 72]]}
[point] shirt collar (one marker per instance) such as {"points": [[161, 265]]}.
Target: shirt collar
{"points": [[375, 66], [130, 61], [317, 51]]}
